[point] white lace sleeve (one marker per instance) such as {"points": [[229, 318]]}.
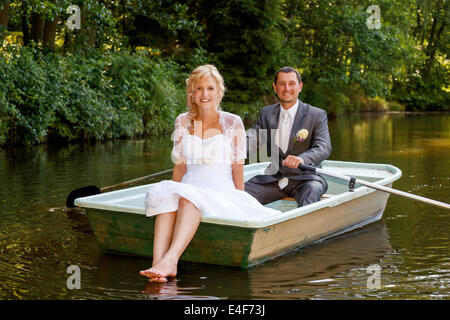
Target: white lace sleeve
{"points": [[182, 123], [234, 129]]}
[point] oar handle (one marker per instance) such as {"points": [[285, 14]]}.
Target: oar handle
{"points": [[302, 166], [375, 186], [126, 183]]}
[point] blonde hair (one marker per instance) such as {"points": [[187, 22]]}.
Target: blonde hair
{"points": [[196, 75]]}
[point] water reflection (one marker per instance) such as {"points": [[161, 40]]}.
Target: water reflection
{"points": [[383, 137], [118, 277], [317, 271], [79, 219], [171, 291]]}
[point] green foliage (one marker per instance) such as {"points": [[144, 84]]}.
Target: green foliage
{"points": [[151, 89], [77, 97], [396, 106], [420, 92], [167, 25], [426, 81], [334, 102], [374, 104], [123, 73], [28, 109], [244, 39], [246, 111], [334, 47], [337, 102], [7, 111]]}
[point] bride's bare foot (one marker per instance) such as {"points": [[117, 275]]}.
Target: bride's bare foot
{"points": [[150, 273], [153, 277], [167, 267]]}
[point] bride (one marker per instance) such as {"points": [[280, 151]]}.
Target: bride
{"points": [[208, 176]]}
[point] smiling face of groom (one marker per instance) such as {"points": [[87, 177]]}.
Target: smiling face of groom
{"points": [[287, 87]]}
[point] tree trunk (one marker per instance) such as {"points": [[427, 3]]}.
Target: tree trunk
{"points": [[4, 13], [25, 31], [92, 35], [4, 16], [50, 34], [68, 42], [37, 27], [88, 30]]}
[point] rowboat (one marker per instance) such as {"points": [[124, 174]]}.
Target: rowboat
{"points": [[120, 225]]}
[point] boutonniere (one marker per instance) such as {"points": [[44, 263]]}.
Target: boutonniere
{"points": [[301, 135]]}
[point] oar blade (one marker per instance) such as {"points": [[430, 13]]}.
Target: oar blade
{"points": [[81, 192]]}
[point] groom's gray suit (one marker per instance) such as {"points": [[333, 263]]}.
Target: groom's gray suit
{"points": [[304, 187]]}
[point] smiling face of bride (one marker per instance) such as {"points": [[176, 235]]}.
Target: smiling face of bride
{"points": [[206, 94], [204, 90]]}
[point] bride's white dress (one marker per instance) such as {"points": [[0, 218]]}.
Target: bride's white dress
{"points": [[208, 181]]}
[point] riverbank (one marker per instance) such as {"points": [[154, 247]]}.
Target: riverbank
{"points": [[52, 136]]}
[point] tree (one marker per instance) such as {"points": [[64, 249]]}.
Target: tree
{"points": [[244, 39], [39, 20], [332, 44], [427, 82], [5, 10], [431, 23], [42, 21]]}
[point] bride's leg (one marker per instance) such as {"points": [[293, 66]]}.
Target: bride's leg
{"points": [[187, 221], [163, 231]]}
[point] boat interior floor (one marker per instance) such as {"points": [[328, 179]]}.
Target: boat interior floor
{"points": [[288, 203]]}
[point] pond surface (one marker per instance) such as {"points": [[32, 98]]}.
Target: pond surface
{"points": [[40, 238]]}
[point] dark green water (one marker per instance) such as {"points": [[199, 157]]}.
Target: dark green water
{"points": [[40, 239]]}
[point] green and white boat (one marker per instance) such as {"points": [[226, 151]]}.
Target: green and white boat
{"points": [[120, 225]]}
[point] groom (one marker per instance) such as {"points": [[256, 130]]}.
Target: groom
{"points": [[302, 137]]}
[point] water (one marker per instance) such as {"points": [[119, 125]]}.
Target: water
{"points": [[40, 238]]}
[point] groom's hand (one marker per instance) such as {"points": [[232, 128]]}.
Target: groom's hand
{"points": [[292, 162]]}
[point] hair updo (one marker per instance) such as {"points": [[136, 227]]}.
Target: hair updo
{"points": [[196, 75]]}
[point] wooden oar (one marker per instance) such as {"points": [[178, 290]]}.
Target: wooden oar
{"points": [[353, 181], [92, 190]]}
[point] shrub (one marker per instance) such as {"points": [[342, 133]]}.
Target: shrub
{"points": [[25, 99], [75, 97], [373, 104], [396, 106]]}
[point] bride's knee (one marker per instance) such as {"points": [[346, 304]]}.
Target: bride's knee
{"points": [[184, 204]]}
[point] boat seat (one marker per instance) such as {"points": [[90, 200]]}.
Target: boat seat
{"points": [[324, 196]]}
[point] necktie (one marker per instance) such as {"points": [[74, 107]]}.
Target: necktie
{"points": [[285, 131]]}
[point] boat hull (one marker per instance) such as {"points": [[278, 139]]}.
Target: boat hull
{"points": [[125, 233], [242, 244], [276, 240], [128, 233]]}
